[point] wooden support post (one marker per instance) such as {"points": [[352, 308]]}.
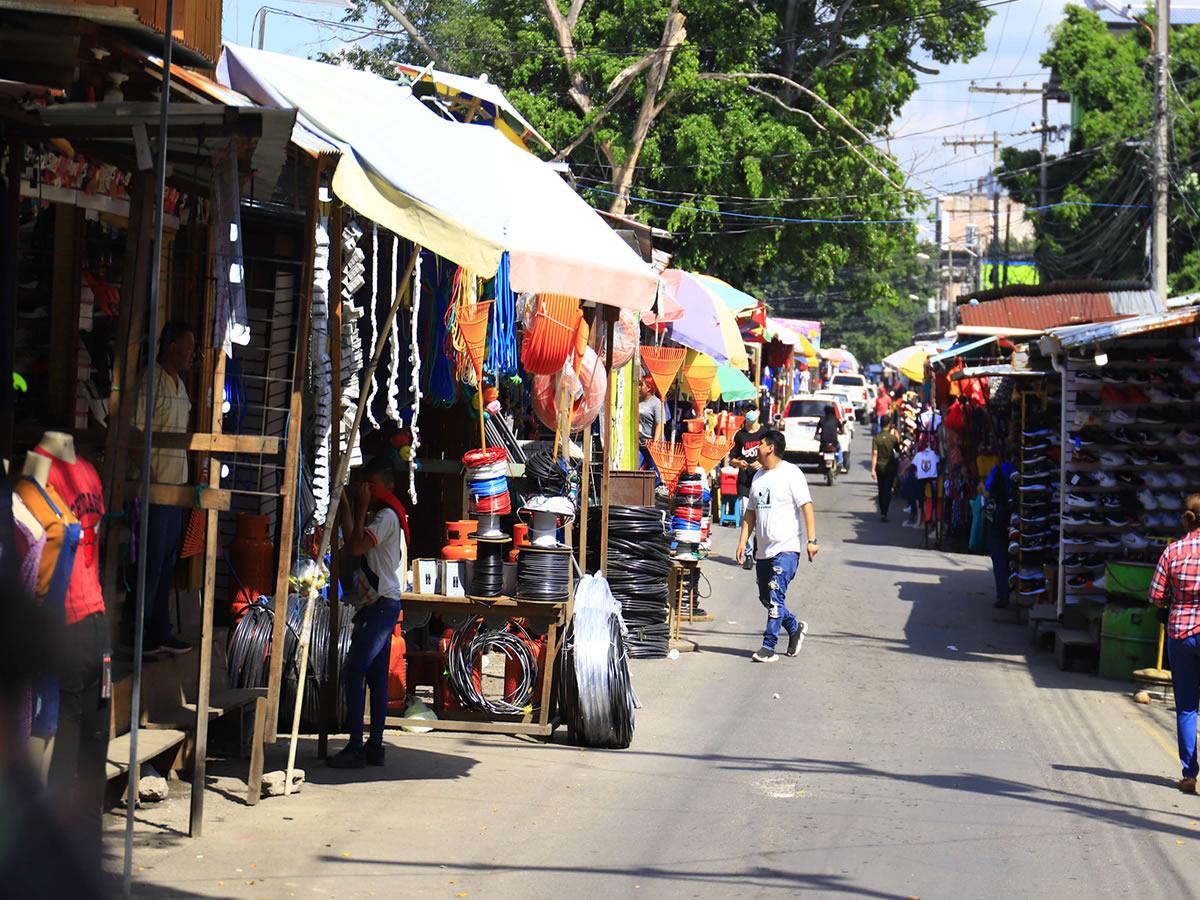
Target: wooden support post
{"points": [[610, 319], [212, 534], [254, 781], [329, 704], [135, 283], [585, 483], [287, 509]]}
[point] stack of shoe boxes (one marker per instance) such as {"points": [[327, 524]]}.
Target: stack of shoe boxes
{"points": [[1132, 453], [1037, 523]]}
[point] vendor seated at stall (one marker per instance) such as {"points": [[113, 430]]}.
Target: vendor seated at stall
{"points": [[375, 528]]}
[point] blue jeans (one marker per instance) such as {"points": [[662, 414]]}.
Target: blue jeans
{"points": [[164, 533], [1185, 679], [367, 663], [774, 576]]}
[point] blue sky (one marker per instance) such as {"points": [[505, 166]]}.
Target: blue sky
{"points": [[942, 108]]}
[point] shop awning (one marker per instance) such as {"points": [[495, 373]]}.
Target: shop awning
{"points": [[962, 349], [738, 301], [466, 193], [733, 385], [1007, 371], [1058, 339]]}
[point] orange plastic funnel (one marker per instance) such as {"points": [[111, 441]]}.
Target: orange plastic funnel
{"points": [[713, 450], [699, 373], [663, 365], [692, 442], [669, 458]]}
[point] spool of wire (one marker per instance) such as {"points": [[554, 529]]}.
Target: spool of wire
{"points": [[639, 562], [470, 641], [543, 574], [598, 700], [487, 579], [487, 481], [547, 474]]}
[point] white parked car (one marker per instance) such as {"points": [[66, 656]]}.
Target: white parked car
{"points": [[854, 386], [800, 418]]}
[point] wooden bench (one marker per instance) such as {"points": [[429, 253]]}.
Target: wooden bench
{"points": [[152, 743]]}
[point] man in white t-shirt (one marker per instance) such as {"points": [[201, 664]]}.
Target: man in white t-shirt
{"points": [[375, 531], [779, 498]]}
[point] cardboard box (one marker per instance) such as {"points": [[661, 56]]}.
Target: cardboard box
{"points": [[427, 576], [454, 577]]}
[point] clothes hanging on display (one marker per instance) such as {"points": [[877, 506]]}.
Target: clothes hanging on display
{"points": [[79, 486]]}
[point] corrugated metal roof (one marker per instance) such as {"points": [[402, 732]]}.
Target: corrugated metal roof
{"points": [[1059, 339], [1040, 312], [985, 371]]}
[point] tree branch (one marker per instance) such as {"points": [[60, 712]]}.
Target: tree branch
{"points": [[573, 15], [591, 126], [564, 34], [791, 109], [924, 70], [415, 33]]}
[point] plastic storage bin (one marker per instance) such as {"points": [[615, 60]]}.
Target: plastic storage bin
{"points": [[1121, 657]]}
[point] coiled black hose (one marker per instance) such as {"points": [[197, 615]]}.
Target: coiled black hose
{"points": [[487, 579], [470, 641], [639, 562], [543, 574], [547, 474]]}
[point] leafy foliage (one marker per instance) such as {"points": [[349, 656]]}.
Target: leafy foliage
{"points": [[766, 109], [1109, 76]]}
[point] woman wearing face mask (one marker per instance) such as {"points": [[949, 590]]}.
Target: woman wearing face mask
{"points": [[744, 457]]}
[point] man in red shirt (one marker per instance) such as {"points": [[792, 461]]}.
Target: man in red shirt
{"points": [[1177, 582]]}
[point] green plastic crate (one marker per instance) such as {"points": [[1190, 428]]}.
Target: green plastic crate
{"points": [[1127, 579], [1121, 657], [1130, 622]]}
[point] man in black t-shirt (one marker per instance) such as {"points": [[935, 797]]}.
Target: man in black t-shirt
{"points": [[744, 457]]}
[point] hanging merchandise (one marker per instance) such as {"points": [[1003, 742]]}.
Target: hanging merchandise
{"points": [[352, 352], [625, 340], [502, 351], [373, 314], [585, 388], [551, 334], [321, 376], [598, 700], [414, 361], [663, 365], [443, 386], [713, 450], [699, 373], [669, 458], [393, 374], [231, 322], [692, 441]]}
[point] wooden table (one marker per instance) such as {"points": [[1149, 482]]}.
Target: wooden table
{"points": [[538, 722], [680, 583]]}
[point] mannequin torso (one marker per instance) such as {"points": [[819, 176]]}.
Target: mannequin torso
{"points": [[59, 445], [37, 467]]}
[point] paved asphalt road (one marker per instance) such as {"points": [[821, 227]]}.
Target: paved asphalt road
{"points": [[918, 747]]}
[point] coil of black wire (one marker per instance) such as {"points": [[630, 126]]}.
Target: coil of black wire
{"points": [[487, 577], [468, 644], [543, 575], [547, 475], [639, 562]]}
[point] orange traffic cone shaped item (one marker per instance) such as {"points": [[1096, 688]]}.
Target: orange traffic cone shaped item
{"points": [[713, 450], [553, 333], [668, 456], [663, 365], [473, 326], [692, 443]]}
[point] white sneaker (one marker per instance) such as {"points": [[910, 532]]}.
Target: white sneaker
{"points": [[1176, 480], [1078, 501], [1134, 541], [1121, 417], [1156, 480], [1148, 500], [1168, 502], [763, 655], [1106, 479]]}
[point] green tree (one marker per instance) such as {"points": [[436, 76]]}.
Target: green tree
{"points": [[711, 118], [1101, 188]]}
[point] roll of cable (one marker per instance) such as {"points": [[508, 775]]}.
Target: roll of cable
{"points": [[487, 578], [487, 480], [547, 474], [468, 644], [639, 563], [543, 574]]}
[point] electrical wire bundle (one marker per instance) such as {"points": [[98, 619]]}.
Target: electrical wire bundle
{"points": [[547, 474], [687, 519], [487, 577], [470, 641], [487, 481], [639, 563], [598, 700], [543, 574]]}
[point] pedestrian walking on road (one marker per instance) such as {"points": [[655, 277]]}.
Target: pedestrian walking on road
{"points": [[382, 543], [997, 513], [1176, 583], [885, 462], [744, 458], [779, 499]]}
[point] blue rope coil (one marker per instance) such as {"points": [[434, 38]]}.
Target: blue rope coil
{"points": [[502, 348]]}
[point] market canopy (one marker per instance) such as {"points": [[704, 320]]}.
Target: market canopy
{"points": [[909, 362], [774, 329], [733, 385], [738, 301], [707, 324], [464, 192]]}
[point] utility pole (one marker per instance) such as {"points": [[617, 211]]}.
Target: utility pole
{"points": [[995, 143], [1162, 28]]}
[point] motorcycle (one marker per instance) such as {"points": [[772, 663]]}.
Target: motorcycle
{"points": [[829, 462]]}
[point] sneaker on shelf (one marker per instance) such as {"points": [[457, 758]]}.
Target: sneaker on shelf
{"points": [[1079, 501], [1027, 521], [1177, 480], [1128, 479], [1035, 488], [1164, 458], [1156, 480], [1087, 376], [1148, 438], [1076, 518], [1113, 459], [1085, 398], [1168, 502], [1120, 520], [1189, 458], [1037, 432], [1106, 480], [1080, 583], [1136, 396], [1107, 543], [1083, 438], [1014, 548], [1078, 540], [1081, 479], [1114, 376], [1109, 502], [1084, 457], [763, 655], [1148, 418], [176, 647], [1138, 458], [1120, 417], [1134, 542], [1148, 500], [1188, 438], [1160, 396]]}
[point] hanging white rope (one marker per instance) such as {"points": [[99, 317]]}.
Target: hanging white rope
{"points": [[414, 360], [374, 318], [393, 378]]}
